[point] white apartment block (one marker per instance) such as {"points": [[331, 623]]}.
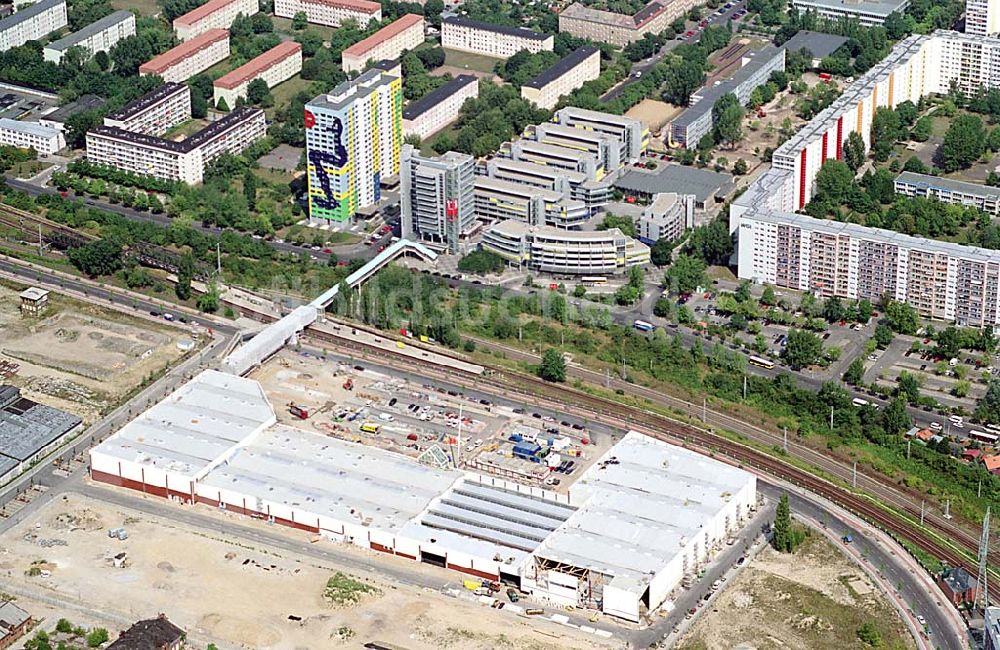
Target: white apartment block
{"points": [[499, 41], [405, 33], [330, 12], [214, 14], [941, 280], [571, 252], [96, 37], [439, 108], [281, 62], [32, 23], [946, 190], [185, 161], [569, 73], [31, 135], [866, 12], [982, 17], [189, 58], [154, 113]]}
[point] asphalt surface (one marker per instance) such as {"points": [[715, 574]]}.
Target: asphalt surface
{"points": [[642, 67]]}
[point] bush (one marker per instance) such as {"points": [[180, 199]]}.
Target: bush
{"points": [[481, 262]]}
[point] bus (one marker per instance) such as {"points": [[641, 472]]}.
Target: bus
{"points": [[761, 362], [992, 428], [857, 401], [370, 427], [982, 436], [593, 280], [643, 326]]}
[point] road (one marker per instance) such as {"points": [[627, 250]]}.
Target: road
{"points": [[639, 68], [348, 251]]}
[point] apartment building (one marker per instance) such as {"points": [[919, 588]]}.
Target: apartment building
{"points": [[982, 17], [696, 121], [499, 41], [632, 135], [353, 140], [972, 62], [946, 190], [96, 37], [31, 135], [331, 13], [621, 29], [668, 216], [190, 57], [554, 156], [440, 107], [404, 33], [141, 153], [155, 112], [32, 23], [866, 12], [498, 200], [569, 73], [565, 252], [436, 198], [278, 64], [214, 14]]}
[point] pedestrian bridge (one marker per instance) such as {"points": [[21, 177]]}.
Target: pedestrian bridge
{"points": [[359, 277]]}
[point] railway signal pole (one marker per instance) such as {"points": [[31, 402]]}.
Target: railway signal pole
{"points": [[983, 595], [854, 475]]}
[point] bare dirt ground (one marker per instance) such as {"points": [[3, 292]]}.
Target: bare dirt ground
{"points": [[655, 114], [79, 357], [813, 598], [236, 594]]}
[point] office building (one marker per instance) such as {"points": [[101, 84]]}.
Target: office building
{"points": [[982, 17], [32, 23], [632, 134], [281, 62], [31, 135], [545, 249], [498, 41], [946, 190], [190, 57], [440, 107], [621, 29], [557, 157], [866, 12], [96, 37], [570, 184], [405, 33], [185, 161], [214, 14], [696, 121], [667, 217], [436, 198], [566, 75], [709, 188], [353, 139], [331, 13], [498, 200], [818, 44], [155, 112]]}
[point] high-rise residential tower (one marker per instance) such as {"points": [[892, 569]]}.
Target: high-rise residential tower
{"points": [[982, 17], [353, 139], [436, 197]]}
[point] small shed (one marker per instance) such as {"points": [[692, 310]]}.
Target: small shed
{"points": [[34, 301]]}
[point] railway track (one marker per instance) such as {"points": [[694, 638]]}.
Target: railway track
{"points": [[16, 218], [532, 389]]}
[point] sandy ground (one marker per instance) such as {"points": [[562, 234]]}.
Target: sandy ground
{"points": [[814, 598], [654, 114], [79, 357], [236, 594]]}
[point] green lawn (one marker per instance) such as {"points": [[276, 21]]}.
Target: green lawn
{"points": [[144, 7], [469, 61], [186, 129], [284, 92], [285, 25], [28, 168]]}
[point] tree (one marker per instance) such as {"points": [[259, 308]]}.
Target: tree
{"points": [[257, 92], [97, 258], [922, 130], [781, 538], [902, 318], [64, 626], [833, 309], [740, 167], [883, 335], [661, 252], [553, 366], [96, 637], [208, 302], [250, 188], [895, 419], [964, 143], [802, 349], [855, 372], [854, 151], [663, 308], [185, 274], [222, 105], [834, 181], [868, 634], [948, 342], [685, 274], [481, 262], [908, 387], [988, 407], [885, 132], [300, 21], [915, 165], [864, 310], [727, 117]]}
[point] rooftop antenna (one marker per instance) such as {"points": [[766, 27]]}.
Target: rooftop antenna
{"points": [[982, 593]]}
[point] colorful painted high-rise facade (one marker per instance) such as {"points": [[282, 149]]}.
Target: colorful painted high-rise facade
{"points": [[353, 139]]}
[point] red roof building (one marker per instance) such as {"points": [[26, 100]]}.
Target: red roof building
{"points": [[189, 58], [274, 66], [214, 14], [389, 42]]}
